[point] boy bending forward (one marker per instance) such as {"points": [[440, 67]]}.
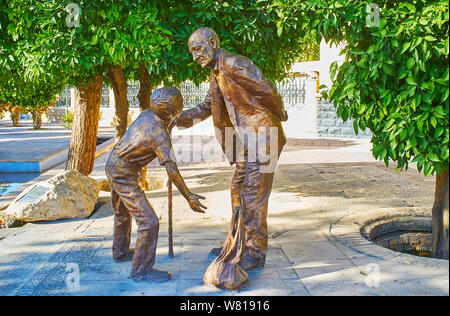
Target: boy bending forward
{"points": [[146, 139]]}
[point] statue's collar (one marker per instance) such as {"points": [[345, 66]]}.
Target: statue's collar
{"points": [[219, 54]]}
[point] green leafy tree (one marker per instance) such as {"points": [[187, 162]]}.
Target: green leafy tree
{"points": [[394, 81], [34, 97], [19, 93], [88, 43]]}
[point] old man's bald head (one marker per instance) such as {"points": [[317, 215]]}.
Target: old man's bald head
{"points": [[203, 45]]}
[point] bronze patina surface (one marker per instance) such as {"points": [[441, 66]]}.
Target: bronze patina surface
{"points": [[240, 98], [225, 271], [146, 139]]}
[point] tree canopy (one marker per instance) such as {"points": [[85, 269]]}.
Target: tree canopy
{"points": [[15, 87], [108, 33], [246, 27], [126, 33]]}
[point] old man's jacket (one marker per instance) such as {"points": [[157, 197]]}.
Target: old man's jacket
{"points": [[242, 100]]}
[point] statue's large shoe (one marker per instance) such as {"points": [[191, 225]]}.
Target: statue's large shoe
{"points": [[249, 263], [153, 276]]}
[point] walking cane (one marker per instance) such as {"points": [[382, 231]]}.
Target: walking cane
{"points": [[169, 204], [169, 195]]}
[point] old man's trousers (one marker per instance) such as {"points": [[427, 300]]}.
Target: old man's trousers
{"points": [[250, 189]]}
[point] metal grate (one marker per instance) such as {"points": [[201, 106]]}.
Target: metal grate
{"points": [[105, 96], [132, 93], [292, 91], [63, 99]]}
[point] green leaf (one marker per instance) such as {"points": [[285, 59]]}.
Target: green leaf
{"points": [[333, 70], [411, 81], [355, 127], [405, 47], [433, 121]]}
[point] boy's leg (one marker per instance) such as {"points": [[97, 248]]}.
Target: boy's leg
{"points": [[124, 183], [135, 201], [122, 228], [147, 236]]}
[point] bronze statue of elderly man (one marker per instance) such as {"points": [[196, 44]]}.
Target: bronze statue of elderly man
{"points": [[242, 100], [146, 139]]}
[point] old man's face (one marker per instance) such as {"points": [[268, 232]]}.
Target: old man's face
{"points": [[203, 50]]}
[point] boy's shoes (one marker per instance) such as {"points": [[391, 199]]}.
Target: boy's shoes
{"points": [[126, 257], [153, 276]]}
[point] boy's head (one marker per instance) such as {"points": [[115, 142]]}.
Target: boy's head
{"points": [[166, 103]]}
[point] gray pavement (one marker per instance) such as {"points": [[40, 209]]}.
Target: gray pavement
{"points": [[314, 246], [34, 144], [24, 143]]}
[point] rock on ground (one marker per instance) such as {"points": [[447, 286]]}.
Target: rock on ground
{"points": [[69, 194]]}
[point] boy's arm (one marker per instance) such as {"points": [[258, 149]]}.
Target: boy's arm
{"points": [[177, 179], [163, 150]]}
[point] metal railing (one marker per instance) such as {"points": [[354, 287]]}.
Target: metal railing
{"points": [[292, 90], [105, 96], [132, 93], [63, 99], [193, 95]]}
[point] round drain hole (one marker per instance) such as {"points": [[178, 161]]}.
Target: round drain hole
{"points": [[411, 235]]}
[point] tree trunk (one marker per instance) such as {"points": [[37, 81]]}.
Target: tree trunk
{"points": [[441, 216], [145, 91], [119, 86], [15, 116], [85, 126], [37, 119]]}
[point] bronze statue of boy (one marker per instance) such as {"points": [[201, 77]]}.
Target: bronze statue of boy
{"points": [[147, 138]]}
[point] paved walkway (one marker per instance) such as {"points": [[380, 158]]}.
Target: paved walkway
{"points": [[50, 139], [319, 190]]}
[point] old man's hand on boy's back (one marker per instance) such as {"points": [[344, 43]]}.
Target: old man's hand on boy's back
{"points": [[195, 204]]}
